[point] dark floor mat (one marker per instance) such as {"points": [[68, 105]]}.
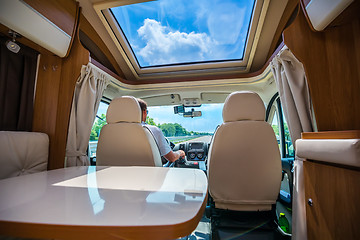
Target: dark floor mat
{"points": [[244, 225], [246, 234]]}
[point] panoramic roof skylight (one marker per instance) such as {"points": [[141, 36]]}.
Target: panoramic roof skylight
{"points": [[170, 32]]}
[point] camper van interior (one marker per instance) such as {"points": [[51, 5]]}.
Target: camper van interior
{"points": [[251, 128]]}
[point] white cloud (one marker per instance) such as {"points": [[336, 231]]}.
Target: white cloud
{"points": [[225, 22], [165, 46]]}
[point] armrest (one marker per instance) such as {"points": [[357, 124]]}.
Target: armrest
{"points": [[338, 151]]}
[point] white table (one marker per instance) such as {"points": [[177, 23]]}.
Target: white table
{"points": [[103, 203]]}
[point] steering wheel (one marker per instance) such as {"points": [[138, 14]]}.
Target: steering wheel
{"points": [[172, 145], [165, 162], [176, 163]]}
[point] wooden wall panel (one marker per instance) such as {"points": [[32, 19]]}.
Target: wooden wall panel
{"points": [[60, 12], [331, 135], [90, 32], [331, 60], [335, 213], [305, 2], [46, 97], [71, 69], [54, 94], [286, 17]]}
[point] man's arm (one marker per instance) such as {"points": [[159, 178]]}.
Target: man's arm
{"points": [[164, 145], [173, 156]]}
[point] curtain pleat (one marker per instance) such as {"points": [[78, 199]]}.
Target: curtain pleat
{"points": [[88, 92], [294, 94], [17, 82]]}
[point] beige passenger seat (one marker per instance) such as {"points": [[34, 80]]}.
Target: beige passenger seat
{"points": [[23, 153], [244, 168], [123, 141]]}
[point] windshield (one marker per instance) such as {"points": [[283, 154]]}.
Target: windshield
{"points": [[178, 128], [175, 127]]}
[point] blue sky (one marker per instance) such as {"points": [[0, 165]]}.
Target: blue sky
{"points": [[177, 31], [211, 116]]}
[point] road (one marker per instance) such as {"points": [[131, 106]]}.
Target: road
{"points": [[201, 139]]}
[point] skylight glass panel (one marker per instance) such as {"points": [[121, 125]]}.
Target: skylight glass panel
{"points": [[170, 32]]}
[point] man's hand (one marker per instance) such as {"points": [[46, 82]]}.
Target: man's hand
{"points": [[182, 154], [173, 156]]}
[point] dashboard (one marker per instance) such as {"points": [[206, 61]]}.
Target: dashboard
{"points": [[195, 151]]}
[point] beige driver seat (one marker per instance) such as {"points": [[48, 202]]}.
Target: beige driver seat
{"points": [[123, 141], [244, 167]]}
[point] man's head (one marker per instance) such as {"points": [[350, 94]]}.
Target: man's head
{"points": [[143, 106]]}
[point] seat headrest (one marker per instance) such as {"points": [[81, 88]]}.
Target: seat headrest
{"points": [[124, 109], [243, 105]]}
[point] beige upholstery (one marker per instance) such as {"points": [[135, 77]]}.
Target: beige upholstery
{"points": [[23, 153], [123, 141], [244, 106], [154, 147], [338, 151], [244, 166]]}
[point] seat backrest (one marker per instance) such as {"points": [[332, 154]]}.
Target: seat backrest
{"points": [[23, 153], [123, 141], [244, 164], [154, 146]]}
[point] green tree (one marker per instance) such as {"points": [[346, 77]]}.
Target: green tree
{"points": [[150, 121], [95, 130], [287, 132], [179, 130], [276, 129], [168, 129]]}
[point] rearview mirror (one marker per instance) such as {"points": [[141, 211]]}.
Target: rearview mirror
{"points": [[193, 114]]}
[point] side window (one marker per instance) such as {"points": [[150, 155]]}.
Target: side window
{"points": [[99, 122], [275, 127], [276, 117], [289, 148]]}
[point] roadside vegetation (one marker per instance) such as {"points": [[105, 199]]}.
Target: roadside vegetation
{"points": [[169, 129]]}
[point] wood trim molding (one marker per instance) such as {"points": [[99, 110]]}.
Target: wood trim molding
{"points": [[348, 15], [305, 2], [54, 93], [289, 11], [209, 77], [76, 26], [86, 27], [334, 213], [353, 134], [330, 59], [105, 69], [95, 232], [60, 12]]}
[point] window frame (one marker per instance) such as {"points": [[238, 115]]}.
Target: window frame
{"points": [[286, 161], [275, 106], [233, 66]]}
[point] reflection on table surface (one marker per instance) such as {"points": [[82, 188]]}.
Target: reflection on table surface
{"points": [[104, 196]]}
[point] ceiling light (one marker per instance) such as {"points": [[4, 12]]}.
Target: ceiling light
{"points": [[11, 44]]}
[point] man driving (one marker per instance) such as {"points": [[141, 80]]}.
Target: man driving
{"points": [[164, 147]]}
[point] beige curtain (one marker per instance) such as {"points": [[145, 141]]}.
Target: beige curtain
{"points": [[294, 94], [88, 92]]}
